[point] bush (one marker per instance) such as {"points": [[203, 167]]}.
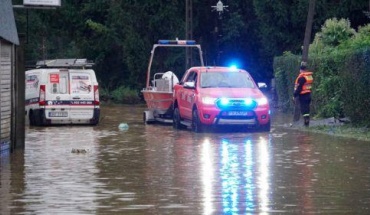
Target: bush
{"points": [[121, 95], [335, 32], [286, 70], [327, 98], [125, 95], [355, 89]]}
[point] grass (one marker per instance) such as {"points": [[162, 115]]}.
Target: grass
{"points": [[348, 131]]}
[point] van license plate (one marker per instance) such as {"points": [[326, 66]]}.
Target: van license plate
{"points": [[58, 114], [240, 113]]}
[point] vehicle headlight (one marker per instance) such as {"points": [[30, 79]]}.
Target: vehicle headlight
{"points": [[262, 101], [208, 100]]}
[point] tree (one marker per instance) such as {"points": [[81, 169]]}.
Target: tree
{"points": [[118, 35]]}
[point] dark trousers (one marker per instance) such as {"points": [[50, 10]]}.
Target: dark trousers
{"points": [[305, 101]]}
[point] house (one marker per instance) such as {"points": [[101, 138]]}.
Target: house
{"points": [[9, 40]]}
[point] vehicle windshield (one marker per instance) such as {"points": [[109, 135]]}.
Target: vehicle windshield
{"points": [[225, 79]]}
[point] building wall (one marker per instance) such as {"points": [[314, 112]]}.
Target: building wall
{"points": [[6, 104]]}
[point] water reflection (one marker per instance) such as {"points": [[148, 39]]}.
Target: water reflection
{"points": [[155, 169], [207, 177], [241, 174], [56, 180]]}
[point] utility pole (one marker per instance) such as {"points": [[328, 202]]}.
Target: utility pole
{"points": [[220, 8], [307, 35], [189, 32], [306, 43]]}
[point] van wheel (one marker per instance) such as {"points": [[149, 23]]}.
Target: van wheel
{"points": [[96, 117], [196, 125], [177, 119], [31, 118], [95, 121], [37, 119]]}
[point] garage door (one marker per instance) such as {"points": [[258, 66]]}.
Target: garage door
{"points": [[5, 94]]}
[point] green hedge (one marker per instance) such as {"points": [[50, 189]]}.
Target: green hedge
{"points": [[356, 87], [286, 69]]}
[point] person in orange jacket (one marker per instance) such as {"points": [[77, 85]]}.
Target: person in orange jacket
{"points": [[302, 90]]}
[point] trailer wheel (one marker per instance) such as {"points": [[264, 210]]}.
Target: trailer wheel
{"points": [[148, 117], [144, 117], [196, 124]]}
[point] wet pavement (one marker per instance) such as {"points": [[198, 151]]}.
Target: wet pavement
{"points": [[154, 169]]}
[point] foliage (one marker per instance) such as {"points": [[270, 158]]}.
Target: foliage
{"points": [[286, 69], [355, 90], [125, 95], [281, 27], [341, 73], [359, 40], [118, 35], [327, 87], [333, 33]]}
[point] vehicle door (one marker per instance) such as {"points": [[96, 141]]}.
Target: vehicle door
{"points": [[57, 95], [82, 95], [187, 94], [32, 89]]}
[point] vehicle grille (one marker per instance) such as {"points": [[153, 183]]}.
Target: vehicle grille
{"points": [[237, 104]]}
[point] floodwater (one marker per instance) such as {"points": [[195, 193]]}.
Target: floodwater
{"points": [[154, 169]]}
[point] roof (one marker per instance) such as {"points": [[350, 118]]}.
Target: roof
{"points": [[8, 29]]}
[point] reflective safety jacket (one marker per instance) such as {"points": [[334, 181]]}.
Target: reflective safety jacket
{"points": [[306, 88]]}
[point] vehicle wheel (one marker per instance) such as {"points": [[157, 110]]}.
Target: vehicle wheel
{"points": [[146, 118], [266, 127], [95, 121], [31, 118], [196, 125], [96, 117], [177, 119], [36, 118]]}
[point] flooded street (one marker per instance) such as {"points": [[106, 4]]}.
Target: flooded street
{"points": [[154, 169]]}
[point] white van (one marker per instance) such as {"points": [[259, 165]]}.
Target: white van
{"points": [[62, 91]]}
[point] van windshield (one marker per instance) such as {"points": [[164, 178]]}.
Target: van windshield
{"points": [[225, 79]]}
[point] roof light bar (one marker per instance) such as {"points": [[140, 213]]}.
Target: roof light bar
{"points": [[176, 42]]}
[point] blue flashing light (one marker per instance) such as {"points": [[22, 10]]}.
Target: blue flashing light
{"points": [[233, 67], [190, 42], [224, 101], [163, 42], [176, 42]]}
